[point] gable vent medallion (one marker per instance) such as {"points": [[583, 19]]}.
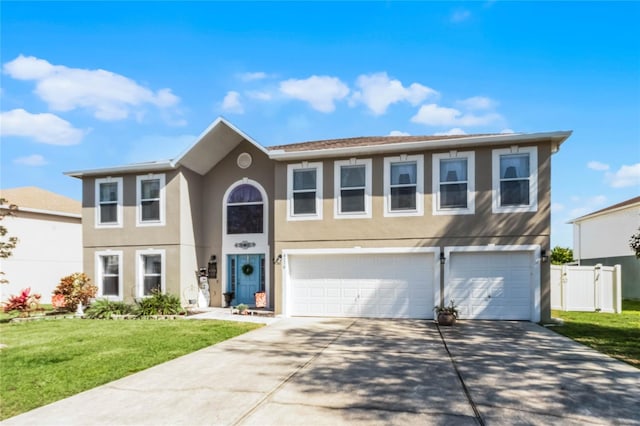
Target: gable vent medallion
{"points": [[244, 160]]}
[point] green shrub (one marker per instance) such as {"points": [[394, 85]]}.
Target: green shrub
{"points": [[104, 309], [159, 304]]}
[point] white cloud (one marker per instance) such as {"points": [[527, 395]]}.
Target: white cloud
{"points": [[320, 92], [587, 205], [452, 132], [45, 128], [477, 103], [252, 76], [398, 133], [598, 166], [506, 131], [557, 207], [460, 15], [625, 176], [378, 91], [108, 95], [231, 103], [434, 115], [34, 160], [259, 95]]}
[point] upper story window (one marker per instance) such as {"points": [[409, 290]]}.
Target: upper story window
{"points": [[151, 204], [352, 188], [403, 185], [454, 183], [109, 202], [515, 180], [304, 191], [151, 272], [245, 210], [109, 272]]}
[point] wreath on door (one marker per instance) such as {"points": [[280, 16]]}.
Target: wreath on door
{"points": [[247, 269]]}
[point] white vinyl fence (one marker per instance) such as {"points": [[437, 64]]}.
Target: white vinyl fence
{"points": [[586, 288]]}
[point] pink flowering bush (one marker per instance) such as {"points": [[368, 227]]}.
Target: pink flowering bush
{"points": [[58, 302], [24, 303]]}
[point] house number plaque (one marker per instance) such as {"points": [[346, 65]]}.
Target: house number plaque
{"points": [[245, 245]]}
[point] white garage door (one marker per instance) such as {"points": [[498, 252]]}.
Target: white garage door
{"points": [[494, 285], [361, 285]]}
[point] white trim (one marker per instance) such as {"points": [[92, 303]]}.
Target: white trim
{"points": [[99, 273], [555, 138], [319, 194], [471, 182], [162, 207], [140, 269], [286, 283], [533, 179], [118, 223], [534, 250], [388, 161], [337, 188]]}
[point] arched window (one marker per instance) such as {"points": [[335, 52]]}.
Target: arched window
{"points": [[245, 210]]}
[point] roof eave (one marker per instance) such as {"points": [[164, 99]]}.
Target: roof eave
{"points": [[130, 168], [603, 212], [556, 138]]}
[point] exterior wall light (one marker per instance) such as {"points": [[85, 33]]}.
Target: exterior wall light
{"points": [[442, 258], [543, 256]]}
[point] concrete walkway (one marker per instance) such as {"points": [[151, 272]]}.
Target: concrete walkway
{"points": [[358, 371]]}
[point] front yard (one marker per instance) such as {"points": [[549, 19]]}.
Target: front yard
{"points": [[617, 335], [48, 360]]}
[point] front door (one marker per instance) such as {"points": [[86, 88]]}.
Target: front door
{"points": [[246, 277]]}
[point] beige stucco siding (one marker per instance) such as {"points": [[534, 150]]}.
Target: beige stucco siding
{"points": [[214, 185], [483, 223]]}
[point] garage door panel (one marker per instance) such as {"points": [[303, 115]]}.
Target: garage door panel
{"points": [[490, 285], [368, 285]]}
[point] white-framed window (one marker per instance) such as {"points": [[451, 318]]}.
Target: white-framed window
{"points": [[515, 179], [454, 183], [352, 189], [403, 185], [304, 191], [109, 274], [150, 271], [150, 190], [109, 202]]}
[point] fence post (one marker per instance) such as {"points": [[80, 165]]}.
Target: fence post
{"points": [[563, 285], [617, 289], [597, 272]]}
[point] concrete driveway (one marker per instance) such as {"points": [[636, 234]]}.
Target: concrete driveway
{"points": [[359, 371]]}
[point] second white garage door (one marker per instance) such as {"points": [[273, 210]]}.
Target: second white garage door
{"points": [[361, 285], [491, 285]]}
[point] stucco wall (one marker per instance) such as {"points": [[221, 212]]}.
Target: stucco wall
{"points": [[606, 235], [49, 248]]}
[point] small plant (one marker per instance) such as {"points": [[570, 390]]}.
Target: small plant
{"points": [[104, 309], [159, 304], [24, 303], [451, 309], [57, 301], [242, 307], [76, 288]]}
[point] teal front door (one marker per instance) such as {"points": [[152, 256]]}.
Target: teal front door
{"points": [[245, 277]]}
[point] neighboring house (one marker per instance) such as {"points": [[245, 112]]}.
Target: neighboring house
{"points": [[374, 226], [49, 247], [603, 237]]}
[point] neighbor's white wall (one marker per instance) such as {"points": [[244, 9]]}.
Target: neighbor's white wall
{"points": [[606, 235], [48, 249]]}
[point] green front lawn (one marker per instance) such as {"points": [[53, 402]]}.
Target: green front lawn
{"points": [[48, 360], [617, 335]]}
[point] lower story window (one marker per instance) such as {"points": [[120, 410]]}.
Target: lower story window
{"points": [[151, 273], [109, 268]]}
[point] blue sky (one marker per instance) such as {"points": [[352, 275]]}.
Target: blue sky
{"points": [[89, 85]]}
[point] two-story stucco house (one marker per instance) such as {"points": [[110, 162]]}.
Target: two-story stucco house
{"points": [[372, 227]]}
